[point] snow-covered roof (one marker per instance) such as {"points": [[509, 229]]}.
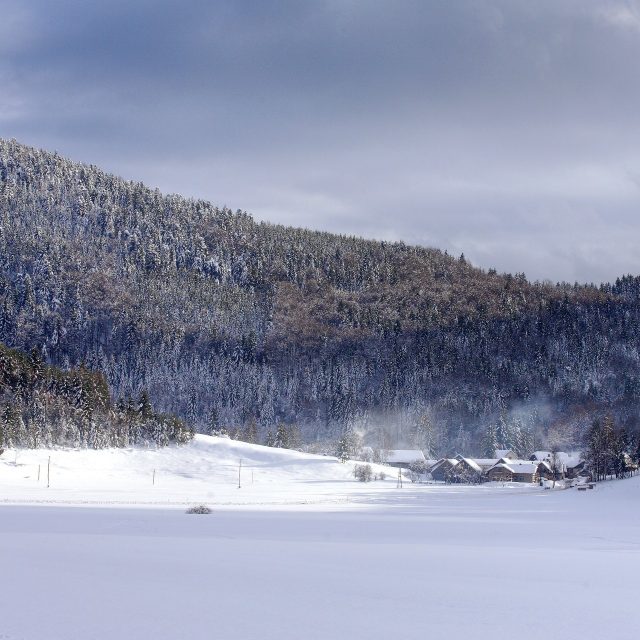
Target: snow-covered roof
{"points": [[452, 461], [541, 455], [405, 455], [505, 453], [485, 462], [519, 466], [473, 464], [569, 460]]}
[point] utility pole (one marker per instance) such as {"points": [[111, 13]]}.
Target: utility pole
{"points": [[240, 473], [153, 481], [49, 472], [399, 483]]}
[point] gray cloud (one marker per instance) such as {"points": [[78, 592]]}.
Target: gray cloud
{"points": [[504, 129]]}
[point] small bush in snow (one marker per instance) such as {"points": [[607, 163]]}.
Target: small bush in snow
{"points": [[199, 509], [382, 475], [363, 472]]}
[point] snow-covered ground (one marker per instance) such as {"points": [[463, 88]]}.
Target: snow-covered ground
{"points": [[204, 471], [304, 551]]}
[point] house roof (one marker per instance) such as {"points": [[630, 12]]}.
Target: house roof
{"points": [[504, 453], [485, 462], [519, 466], [569, 460], [473, 464], [540, 455], [452, 461], [405, 455]]}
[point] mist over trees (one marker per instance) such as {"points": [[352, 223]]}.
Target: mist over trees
{"points": [[244, 326]]}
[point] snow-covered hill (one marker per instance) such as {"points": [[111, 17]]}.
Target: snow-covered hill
{"points": [[205, 470]]}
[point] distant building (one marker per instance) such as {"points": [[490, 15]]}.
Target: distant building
{"points": [[500, 472], [569, 465], [442, 471], [485, 463], [575, 468], [519, 471], [467, 470], [403, 458], [541, 456]]}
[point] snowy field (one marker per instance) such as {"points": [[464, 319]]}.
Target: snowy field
{"points": [[303, 552]]}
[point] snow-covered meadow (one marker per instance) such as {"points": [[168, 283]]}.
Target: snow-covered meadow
{"points": [[302, 551], [207, 470]]}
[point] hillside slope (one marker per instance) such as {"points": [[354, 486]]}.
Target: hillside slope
{"points": [[205, 470], [226, 321]]}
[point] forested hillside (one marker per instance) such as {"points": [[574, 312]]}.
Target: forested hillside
{"points": [[227, 322]]}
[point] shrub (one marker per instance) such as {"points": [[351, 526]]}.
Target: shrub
{"points": [[363, 472], [199, 509], [418, 470]]}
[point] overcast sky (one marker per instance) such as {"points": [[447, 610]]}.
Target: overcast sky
{"points": [[507, 130]]}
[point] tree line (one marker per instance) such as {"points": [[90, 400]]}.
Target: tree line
{"points": [[43, 406], [610, 450]]}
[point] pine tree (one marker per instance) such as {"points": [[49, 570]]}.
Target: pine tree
{"points": [[250, 433], [344, 446], [282, 439], [503, 434], [145, 410], [490, 441]]}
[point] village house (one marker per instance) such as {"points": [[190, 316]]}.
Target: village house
{"points": [[542, 456], [567, 465], [467, 470], [573, 469], [519, 471], [485, 463], [442, 471], [500, 473], [404, 458]]}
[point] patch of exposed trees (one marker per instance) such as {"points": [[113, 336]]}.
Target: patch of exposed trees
{"points": [[42, 406], [610, 450]]}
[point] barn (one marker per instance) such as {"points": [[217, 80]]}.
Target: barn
{"points": [[443, 470], [518, 471], [404, 458], [467, 470], [485, 463], [541, 456], [500, 472]]}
